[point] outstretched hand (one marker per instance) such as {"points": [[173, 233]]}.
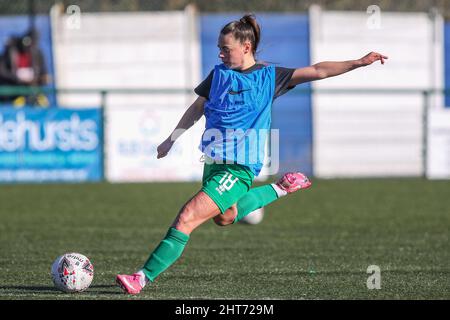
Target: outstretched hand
{"points": [[371, 58], [164, 148]]}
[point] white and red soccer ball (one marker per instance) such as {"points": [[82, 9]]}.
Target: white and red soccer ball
{"points": [[253, 217], [72, 272]]}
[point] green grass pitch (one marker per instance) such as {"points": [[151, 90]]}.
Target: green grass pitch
{"points": [[315, 244]]}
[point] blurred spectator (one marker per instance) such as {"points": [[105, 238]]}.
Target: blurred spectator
{"points": [[22, 64]]}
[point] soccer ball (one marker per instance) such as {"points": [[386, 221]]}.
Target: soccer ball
{"points": [[254, 217], [72, 272]]}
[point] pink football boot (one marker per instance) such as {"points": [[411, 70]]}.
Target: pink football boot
{"points": [[129, 284], [293, 181]]}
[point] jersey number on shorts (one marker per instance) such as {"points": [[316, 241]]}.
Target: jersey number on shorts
{"points": [[226, 183]]}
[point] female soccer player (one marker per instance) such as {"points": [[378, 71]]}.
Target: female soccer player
{"points": [[236, 100]]}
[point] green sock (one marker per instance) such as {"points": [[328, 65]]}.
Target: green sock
{"points": [[167, 252], [254, 199]]}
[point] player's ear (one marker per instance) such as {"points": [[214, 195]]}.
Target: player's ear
{"points": [[247, 46]]}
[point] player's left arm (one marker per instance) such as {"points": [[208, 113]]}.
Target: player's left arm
{"points": [[327, 69]]}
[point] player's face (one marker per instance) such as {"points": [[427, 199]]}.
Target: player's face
{"points": [[231, 51]]}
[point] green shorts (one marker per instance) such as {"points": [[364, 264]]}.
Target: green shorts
{"points": [[226, 183]]}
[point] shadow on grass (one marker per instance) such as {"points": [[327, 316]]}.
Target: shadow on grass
{"points": [[50, 290], [213, 276]]}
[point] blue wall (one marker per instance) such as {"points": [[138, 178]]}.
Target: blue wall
{"points": [[447, 61], [18, 25], [284, 42]]}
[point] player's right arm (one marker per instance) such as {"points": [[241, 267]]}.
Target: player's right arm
{"points": [[191, 116]]}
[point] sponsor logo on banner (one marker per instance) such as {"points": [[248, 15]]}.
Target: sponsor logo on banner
{"points": [[132, 136], [50, 145]]}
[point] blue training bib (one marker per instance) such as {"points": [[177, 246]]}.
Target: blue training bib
{"points": [[238, 116]]}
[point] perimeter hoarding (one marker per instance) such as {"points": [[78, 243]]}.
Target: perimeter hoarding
{"points": [[42, 145], [438, 144], [132, 136]]}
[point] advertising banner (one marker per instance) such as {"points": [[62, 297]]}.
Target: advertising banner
{"points": [[438, 149], [38, 145], [132, 136]]}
